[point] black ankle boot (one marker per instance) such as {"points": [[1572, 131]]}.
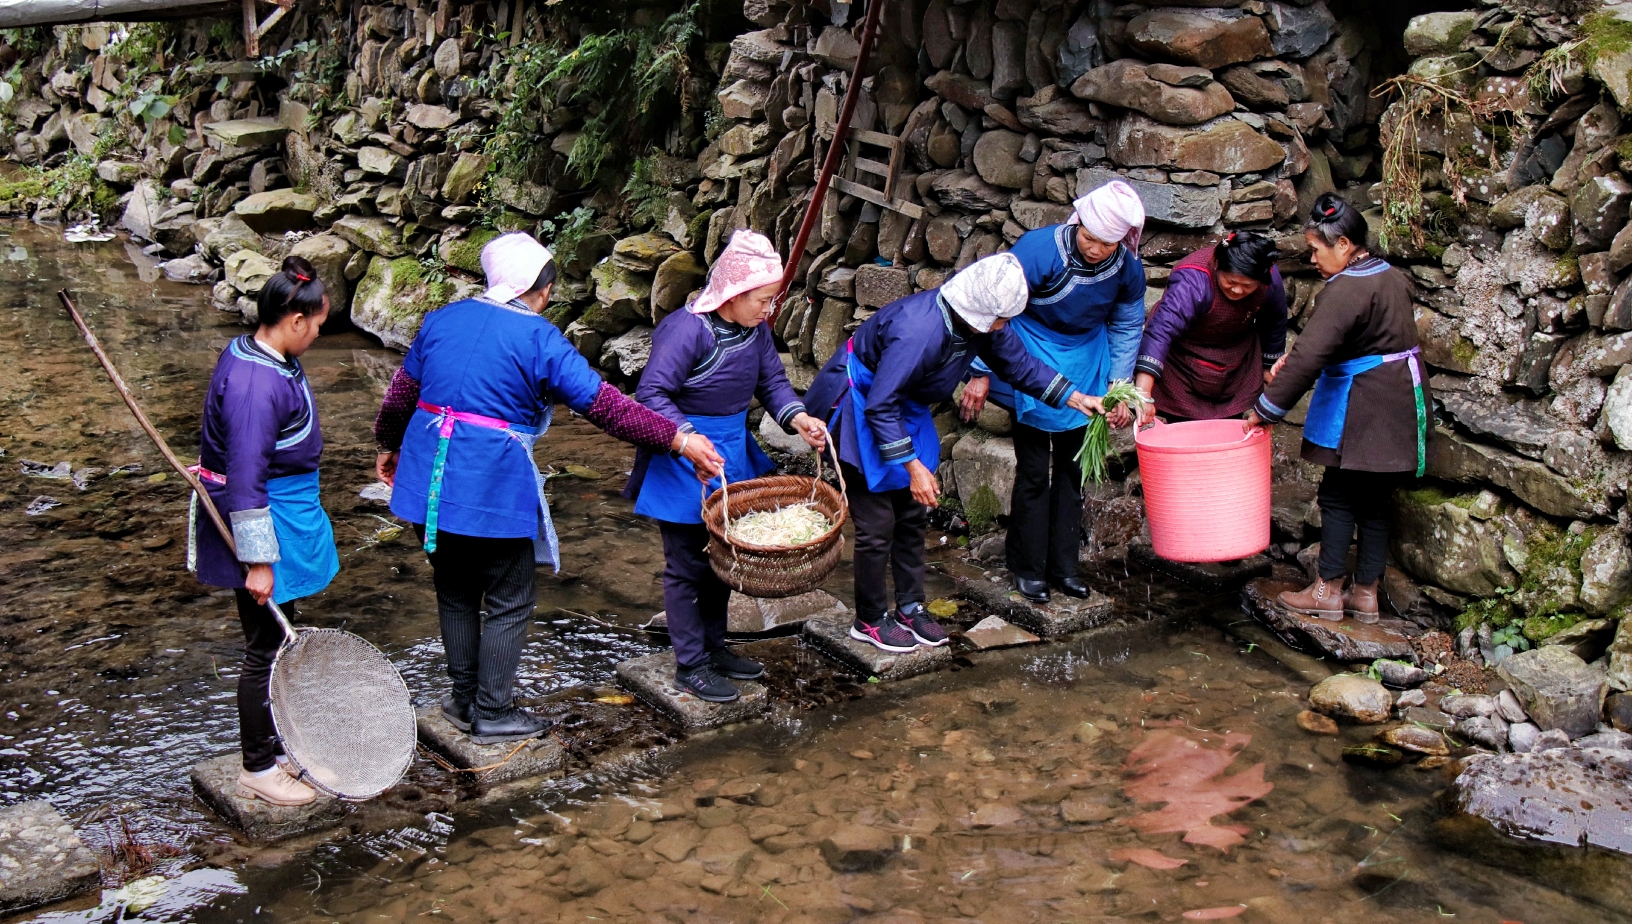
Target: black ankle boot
{"points": [[1035, 591], [1074, 587], [511, 724]]}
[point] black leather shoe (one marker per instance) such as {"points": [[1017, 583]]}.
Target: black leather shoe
{"points": [[456, 712], [734, 665], [1073, 587], [705, 683], [513, 724], [1035, 591]]}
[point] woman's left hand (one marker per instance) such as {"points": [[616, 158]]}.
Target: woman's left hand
{"points": [[1253, 420], [1119, 416], [812, 430], [1269, 377]]}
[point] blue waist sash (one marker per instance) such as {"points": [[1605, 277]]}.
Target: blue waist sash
{"points": [[920, 423], [671, 491], [1084, 360], [1329, 405], [308, 558]]}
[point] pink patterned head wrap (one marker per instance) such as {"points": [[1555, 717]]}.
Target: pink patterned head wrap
{"points": [[1112, 213], [749, 262]]}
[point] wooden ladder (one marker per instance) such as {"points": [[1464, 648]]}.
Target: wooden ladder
{"points": [[857, 167]]}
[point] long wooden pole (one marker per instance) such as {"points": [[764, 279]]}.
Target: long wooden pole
{"points": [[158, 440], [835, 154]]}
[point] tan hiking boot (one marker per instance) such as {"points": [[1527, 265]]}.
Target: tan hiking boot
{"points": [[1361, 602], [277, 787], [1322, 599]]}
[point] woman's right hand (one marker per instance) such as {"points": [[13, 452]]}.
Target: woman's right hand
{"points": [[699, 451], [385, 466], [973, 400], [259, 583], [925, 487]]}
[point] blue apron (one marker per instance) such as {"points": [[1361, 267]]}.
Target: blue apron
{"points": [[671, 491], [1084, 360], [1329, 405], [920, 422], [546, 548], [308, 558]]}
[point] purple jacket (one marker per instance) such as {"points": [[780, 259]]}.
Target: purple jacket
{"points": [[1188, 297]]}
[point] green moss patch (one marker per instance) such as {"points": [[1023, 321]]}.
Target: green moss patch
{"points": [[982, 509]]}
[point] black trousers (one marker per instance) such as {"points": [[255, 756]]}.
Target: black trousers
{"points": [[1045, 511], [890, 528], [1353, 501], [695, 600], [262, 636], [483, 650]]}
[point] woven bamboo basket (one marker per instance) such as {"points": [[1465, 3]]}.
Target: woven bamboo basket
{"points": [[775, 571]]}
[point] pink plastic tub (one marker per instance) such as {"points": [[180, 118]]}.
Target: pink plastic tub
{"points": [[1206, 489]]}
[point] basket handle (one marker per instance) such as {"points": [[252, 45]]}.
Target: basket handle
{"points": [[834, 452]]}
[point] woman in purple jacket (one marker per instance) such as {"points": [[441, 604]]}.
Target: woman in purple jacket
{"points": [[1217, 332], [708, 363], [258, 454]]}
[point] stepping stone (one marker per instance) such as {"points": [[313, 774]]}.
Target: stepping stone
{"points": [[42, 860], [831, 637], [1062, 616], [1349, 640], [1205, 575], [537, 757], [652, 679], [216, 782], [761, 617], [994, 632]]}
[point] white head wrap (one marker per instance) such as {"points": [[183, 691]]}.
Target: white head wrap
{"points": [[512, 263], [988, 289], [1112, 213]]}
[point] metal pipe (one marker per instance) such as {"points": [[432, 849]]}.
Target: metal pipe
{"points": [[835, 154]]}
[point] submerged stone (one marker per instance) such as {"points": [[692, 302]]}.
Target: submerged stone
{"points": [[1576, 796], [1061, 616], [496, 763], [830, 635], [857, 848], [42, 860]]}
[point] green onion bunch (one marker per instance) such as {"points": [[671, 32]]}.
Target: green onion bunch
{"points": [[1095, 454]]}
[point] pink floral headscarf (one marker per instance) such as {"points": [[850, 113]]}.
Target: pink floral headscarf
{"points": [[747, 263]]}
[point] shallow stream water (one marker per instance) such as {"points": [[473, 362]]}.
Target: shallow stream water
{"points": [[1026, 787]]}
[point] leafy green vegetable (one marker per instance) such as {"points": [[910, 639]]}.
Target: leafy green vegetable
{"points": [[1094, 456]]}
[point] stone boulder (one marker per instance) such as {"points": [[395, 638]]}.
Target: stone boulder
{"points": [[1439, 33], [246, 133], [394, 295], [1298, 30], [1226, 145], [677, 277], [643, 253], [42, 860], [983, 467], [1255, 90], [277, 211], [1600, 209], [877, 286], [1546, 795], [623, 292], [463, 177], [997, 159], [1126, 83], [1606, 572], [1210, 38], [958, 189], [248, 271], [857, 848], [192, 269], [1436, 538], [142, 210], [1557, 689], [1352, 696], [329, 254], [1053, 111], [628, 352], [431, 118], [1620, 674], [830, 331], [375, 235], [1176, 204]]}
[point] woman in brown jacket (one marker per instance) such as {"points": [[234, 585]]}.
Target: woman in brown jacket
{"points": [[1368, 418]]}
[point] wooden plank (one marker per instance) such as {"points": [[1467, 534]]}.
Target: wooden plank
{"points": [[876, 138], [874, 167], [878, 198], [271, 21]]}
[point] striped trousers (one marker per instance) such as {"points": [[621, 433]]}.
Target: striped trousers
{"points": [[483, 643]]}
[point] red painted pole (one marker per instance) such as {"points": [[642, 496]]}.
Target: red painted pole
{"points": [[835, 154]]}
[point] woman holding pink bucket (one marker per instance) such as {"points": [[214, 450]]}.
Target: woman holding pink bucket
{"points": [[1368, 417]]}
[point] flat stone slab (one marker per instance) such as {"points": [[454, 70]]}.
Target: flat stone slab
{"points": [[216, 782], [495, 763], [1574, 796], [831, 637], [760, 617], [1206, 575], [652, 679], [1349, 640], [1062, 616], [995, 632], [42, 860], [247, 133]]}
